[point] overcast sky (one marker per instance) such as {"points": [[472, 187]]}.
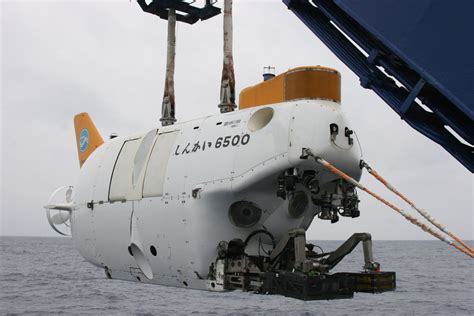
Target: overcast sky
{"points": [[59, 58]]}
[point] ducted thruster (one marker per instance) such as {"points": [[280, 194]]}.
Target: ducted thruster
{"points": [[244, 214]]}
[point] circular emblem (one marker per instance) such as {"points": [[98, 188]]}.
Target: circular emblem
{"points": [[84, 140]]}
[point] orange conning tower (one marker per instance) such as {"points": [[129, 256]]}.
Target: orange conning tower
{"points": [[312, 82]]}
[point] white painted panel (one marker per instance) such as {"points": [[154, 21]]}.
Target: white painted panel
{"points": [[157, 165], [215, 160], [267, 142], [105, 168], [180, 165], [304, 133], [112, 234], [121, 183], [84, 188], [142, 155]]}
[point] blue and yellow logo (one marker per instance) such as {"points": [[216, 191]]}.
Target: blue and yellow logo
{"points": [[84, 140]]}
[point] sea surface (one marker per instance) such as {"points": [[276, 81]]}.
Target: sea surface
{"points": [[48, 276]]}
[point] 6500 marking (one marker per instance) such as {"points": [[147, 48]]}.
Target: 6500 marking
{"points": [[221, 142], [234, 141]]}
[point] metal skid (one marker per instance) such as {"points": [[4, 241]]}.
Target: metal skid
{"points": [[293, 269]]}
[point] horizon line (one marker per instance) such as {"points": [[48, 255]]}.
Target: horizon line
{"points": [[309, 239]]}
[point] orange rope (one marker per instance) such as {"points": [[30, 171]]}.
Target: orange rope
{"points": [[408, 217], [420, 211]]}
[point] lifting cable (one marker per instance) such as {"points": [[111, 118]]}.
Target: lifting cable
{"points": [[423, 213], [408, 217]]}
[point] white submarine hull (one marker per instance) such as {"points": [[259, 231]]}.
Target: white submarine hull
{"points": [[152, 208]]}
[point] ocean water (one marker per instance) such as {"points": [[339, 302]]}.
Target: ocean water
{"points": [[48, 276]]}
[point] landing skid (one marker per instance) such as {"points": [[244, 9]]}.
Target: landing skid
{"points": [[326, 286], [293, 269]]}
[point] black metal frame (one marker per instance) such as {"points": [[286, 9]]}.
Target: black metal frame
{"points": [[193, 14]]}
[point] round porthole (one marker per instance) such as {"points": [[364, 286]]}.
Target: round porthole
{"points": [[153, 250], [298, 204], [260, 119], [244, 214]]}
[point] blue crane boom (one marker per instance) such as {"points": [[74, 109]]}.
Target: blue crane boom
{"points": [[416, 55]]}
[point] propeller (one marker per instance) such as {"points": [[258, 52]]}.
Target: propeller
{"points": [[62, 202], [61, 218]]}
